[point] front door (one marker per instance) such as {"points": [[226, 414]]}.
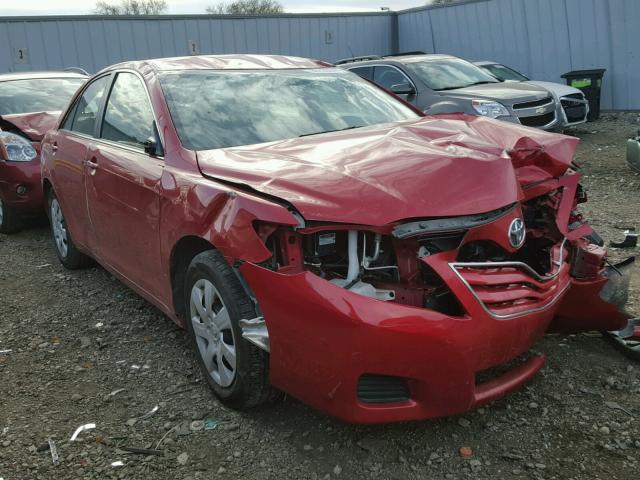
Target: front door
{"points": [[123, 186], [74, 138]]}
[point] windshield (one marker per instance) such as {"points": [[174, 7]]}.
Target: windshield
{"points": [[449, 73], [37, 95], [217, 109], [503, 73]]}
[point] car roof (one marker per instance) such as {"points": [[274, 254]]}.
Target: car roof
{"points": [[485, 62], [221, 62], [398, 59], [5, 77]]}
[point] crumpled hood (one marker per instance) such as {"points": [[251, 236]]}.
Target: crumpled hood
{"points": [[34, 125], [437, 166], [507, 92]]}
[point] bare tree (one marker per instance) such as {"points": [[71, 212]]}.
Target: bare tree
{"points": [[131, 7], [247, 7], [442, 2]]}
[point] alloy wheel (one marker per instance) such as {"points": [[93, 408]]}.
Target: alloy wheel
{"points": [[212, 328], [59, 228]]}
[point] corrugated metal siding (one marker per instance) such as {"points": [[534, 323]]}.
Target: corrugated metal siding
{"points": [[93, 43], [541, 38]]}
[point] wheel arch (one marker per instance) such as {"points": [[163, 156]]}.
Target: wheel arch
{"points": [[47, 187], [185, 249]]}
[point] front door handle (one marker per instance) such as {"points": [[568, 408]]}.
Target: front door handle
{"points": [[93, 164]]}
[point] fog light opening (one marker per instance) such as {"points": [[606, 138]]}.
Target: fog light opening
{"points": [[382, 389], [21, 190]]}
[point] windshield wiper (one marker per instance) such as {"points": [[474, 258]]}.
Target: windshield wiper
{"points": [[483, 82], [450, 88], [330, 131], [465, 86]]}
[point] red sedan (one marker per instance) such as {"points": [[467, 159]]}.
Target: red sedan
{"points": [[317, 235], [30, 104]]}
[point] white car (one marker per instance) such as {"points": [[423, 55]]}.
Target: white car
{"points": [[573, 106]]}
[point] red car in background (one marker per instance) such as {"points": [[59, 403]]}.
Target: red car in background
{"points": [[30, 104], [316, 234]]}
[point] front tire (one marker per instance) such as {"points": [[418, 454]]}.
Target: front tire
{"points": [[66, 250], [10, 219], [215, 302]]}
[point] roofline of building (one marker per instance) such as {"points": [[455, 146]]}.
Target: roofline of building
{"points": [[206, 16], [63, 18]]}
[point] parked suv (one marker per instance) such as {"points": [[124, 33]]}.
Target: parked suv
{"points": [[446, 84], [315, 234], [574, 106]]}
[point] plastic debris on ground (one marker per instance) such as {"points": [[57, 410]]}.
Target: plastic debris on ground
{"points": [[630, 240], [150, 413], [80, 429], [55, 458], [116, 392], [210, 424], [142, 451]]}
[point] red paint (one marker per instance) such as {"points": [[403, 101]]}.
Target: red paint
{"points": [[130, 210]]}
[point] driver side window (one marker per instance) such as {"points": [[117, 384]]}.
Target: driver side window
{"points": [[387, 77], [85, 112], [128, 118]]}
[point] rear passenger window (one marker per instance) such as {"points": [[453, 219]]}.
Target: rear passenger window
{"points": [[128, 118], [364, 72], [389, 76], [83, 117]]}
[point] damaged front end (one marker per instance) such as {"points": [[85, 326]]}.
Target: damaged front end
{"points": [[375, 319], [360, 318]]}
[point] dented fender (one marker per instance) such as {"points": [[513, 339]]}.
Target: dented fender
{"points": [[218, 214]]}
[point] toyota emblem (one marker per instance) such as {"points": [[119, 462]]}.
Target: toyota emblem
{"points": [[517, 233]]}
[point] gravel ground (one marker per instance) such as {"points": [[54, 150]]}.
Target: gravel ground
{"points": [[86, 349]]}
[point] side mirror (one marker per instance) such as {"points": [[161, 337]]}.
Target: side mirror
{"points": [[403, 89], [151, 147]]}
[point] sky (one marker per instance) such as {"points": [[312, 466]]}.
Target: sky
{"points": [[80, 7]]}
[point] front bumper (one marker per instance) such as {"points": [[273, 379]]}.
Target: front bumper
{"points": [[574, 111], [27, 174], [324, 338]]}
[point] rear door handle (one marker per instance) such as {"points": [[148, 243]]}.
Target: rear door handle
{"points": [[54, 147]]}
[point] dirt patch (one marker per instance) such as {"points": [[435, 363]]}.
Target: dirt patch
{"points": [[78, 338]]}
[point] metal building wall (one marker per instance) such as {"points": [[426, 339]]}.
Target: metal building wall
{"points": [[541, 38], [36, 43]]}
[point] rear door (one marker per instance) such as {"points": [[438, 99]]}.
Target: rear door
{"points": [[123, 185], [69, 152]]}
